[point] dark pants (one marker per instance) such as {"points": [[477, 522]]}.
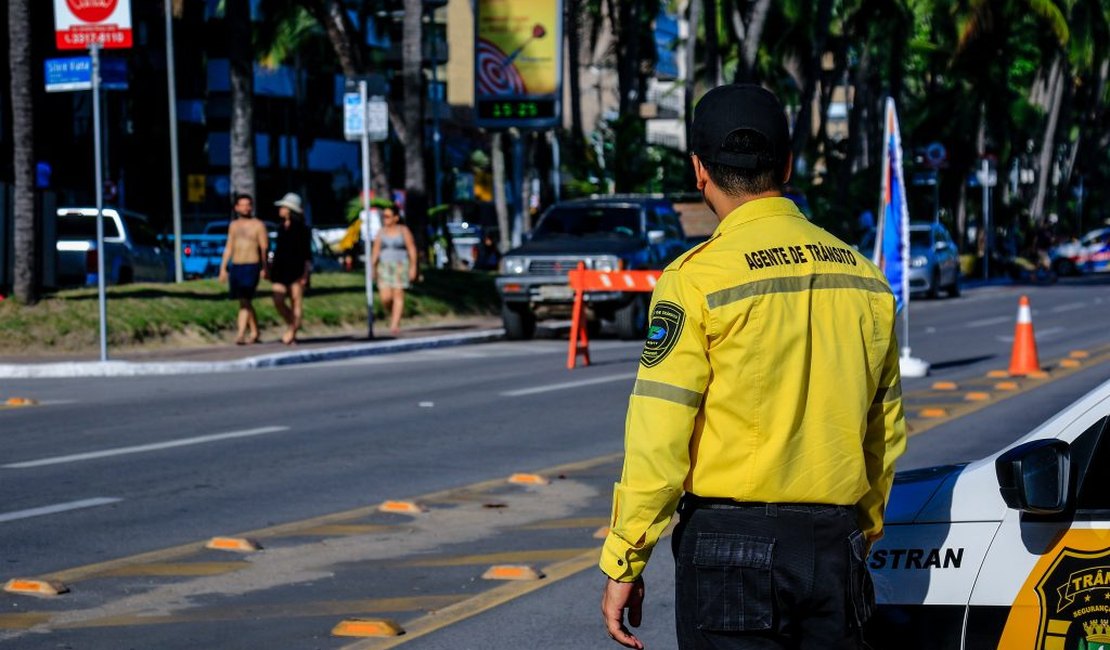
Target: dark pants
{"points": [[769, 576]]}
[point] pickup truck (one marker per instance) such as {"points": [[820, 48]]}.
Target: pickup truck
{"points": [[132, 250], [606, 234]]}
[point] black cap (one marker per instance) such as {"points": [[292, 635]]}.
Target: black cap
{"points": [[740, 107]]}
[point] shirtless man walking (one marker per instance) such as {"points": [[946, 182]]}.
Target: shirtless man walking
{"points": [[243, 263]]}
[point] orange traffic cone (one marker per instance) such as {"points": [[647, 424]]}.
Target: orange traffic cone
{"points": [[1023, 358]]}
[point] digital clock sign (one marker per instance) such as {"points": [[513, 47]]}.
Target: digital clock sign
{"points": [[518, 63], [514, 110]]}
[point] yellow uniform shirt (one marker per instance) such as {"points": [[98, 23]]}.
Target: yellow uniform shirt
{"points": [[769, 374]]}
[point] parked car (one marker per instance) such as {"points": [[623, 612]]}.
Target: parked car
{"points": [[466, 240], [607, 233], [132, 249], [202, 252], [934, 260], [1087, 254], [1009, 551]]}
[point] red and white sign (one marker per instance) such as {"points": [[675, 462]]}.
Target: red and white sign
{"points": [[80, 23]]}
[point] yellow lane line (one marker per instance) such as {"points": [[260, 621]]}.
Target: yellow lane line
{"points": [[508, 557], [483, 602], [23, 621], [269, 612], [578, 522], [77, 574], [191, 569]]}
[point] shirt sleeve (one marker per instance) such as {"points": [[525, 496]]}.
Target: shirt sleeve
{"points": [[670, 384], [883, 443]]}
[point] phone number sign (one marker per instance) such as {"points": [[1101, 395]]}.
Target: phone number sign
{"points": [[81, 23]]}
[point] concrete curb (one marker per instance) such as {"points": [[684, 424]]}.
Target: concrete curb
{"points": [[154, 368]]}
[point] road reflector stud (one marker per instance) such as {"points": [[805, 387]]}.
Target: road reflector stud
{"points": [[601, 533], [402, 507], [512, 572], [1070, 363], [1079, 354], [946, 385], [1039, 374], [33, 587], [236, 544], [933, 413], [1006, 385], [528, 479], [20, 401], [367, 627], [998, 374], [977, 397]]}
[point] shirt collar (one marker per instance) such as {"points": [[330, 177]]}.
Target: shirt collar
{"points": [[776, 206]]}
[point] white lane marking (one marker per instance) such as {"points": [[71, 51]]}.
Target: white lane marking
{"points": [[58, 402], [986, 322], [61, 507], [120, 451], [568, 384], [1071, 306]]}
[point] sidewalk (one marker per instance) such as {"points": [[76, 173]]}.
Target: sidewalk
{"points": [[266, 354]]}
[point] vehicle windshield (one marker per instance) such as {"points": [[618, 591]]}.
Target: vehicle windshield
{"points": [[216, 228], [79, 226], [920, 239], [589, 221]]}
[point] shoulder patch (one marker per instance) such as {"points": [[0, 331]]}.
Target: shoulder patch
{"points": [[664, 328]]}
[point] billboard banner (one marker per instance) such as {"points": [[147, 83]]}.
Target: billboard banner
{"points": [[518, 63]]}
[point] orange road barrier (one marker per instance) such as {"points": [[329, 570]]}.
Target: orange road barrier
{"points": [[1023, 358], [583, 281]]}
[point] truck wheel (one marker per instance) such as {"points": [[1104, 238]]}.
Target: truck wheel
{"points": [[520, 323], [631, 320]]}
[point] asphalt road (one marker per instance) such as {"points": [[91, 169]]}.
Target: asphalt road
{"points": [[107, 469]]}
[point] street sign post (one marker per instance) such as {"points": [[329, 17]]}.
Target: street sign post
{"points": [[92, 24], [366, 119]]}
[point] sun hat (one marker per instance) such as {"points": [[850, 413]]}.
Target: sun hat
{"points": [[291, 201], [740, 107]]}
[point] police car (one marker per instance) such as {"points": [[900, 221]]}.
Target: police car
{"points": [[1011, 551]]}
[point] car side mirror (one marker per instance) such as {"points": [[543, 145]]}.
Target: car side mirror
{"points": [[1036, 477], [941, 246], [656, 237]]}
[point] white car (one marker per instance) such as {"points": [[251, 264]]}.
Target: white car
{"points": [[1011, 551]]}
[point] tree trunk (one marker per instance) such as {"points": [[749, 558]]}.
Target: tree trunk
{"points": [[412, 78], [25, 275], [574, 46], [501, 205], [241, 60], [803, 127], [1048, 144], [752, 39], [693, 17], [712, 44], [344, 39]]}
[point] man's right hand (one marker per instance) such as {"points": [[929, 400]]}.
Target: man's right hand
{"points": [[223, 275], [617, 597]]}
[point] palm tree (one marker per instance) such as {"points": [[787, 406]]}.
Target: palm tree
{"points": [[345, 41], [25, 283], [241, 62]]}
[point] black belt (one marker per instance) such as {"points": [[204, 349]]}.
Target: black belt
{"points": [[692, 502]]}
